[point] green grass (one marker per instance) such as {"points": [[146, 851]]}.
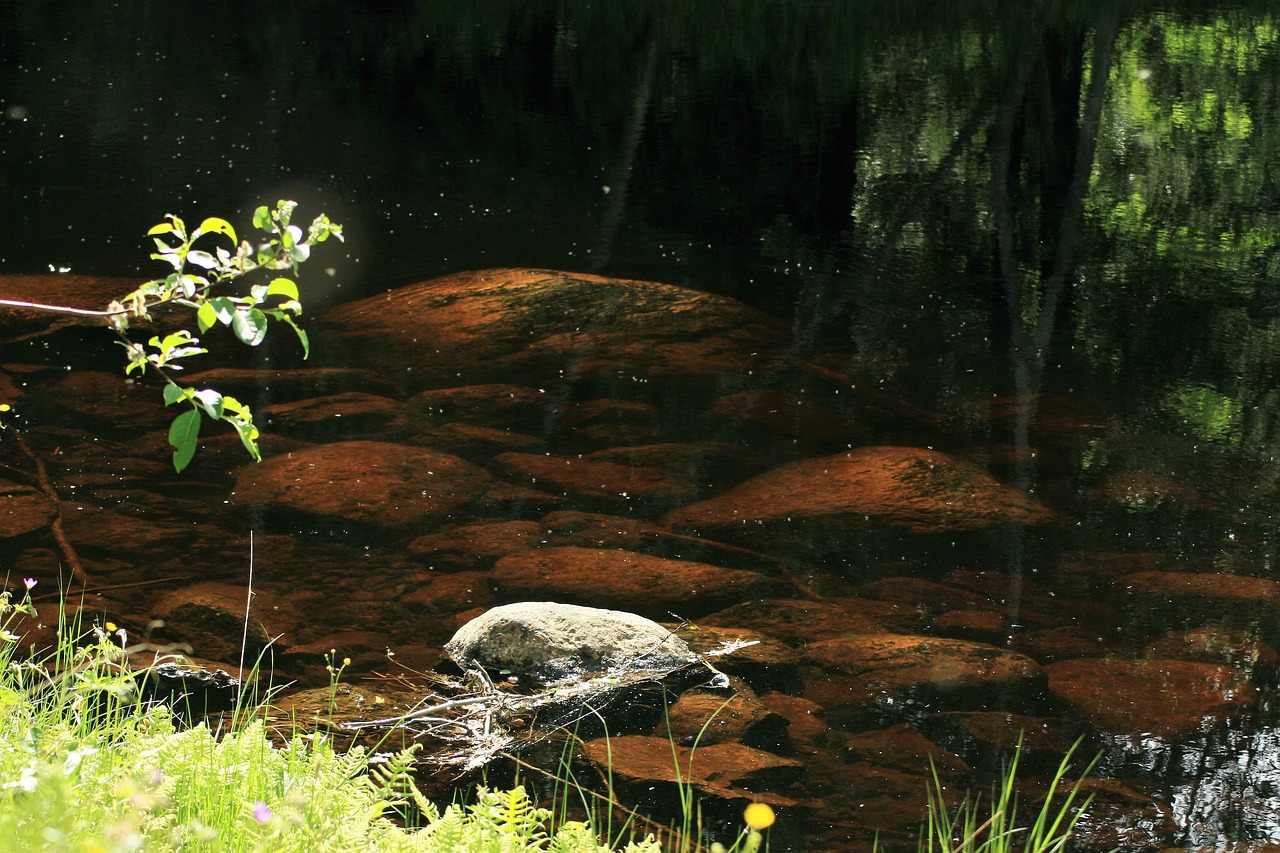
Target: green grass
{"points": [[86, 765]]}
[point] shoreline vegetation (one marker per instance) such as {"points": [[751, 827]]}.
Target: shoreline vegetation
{"points": [[89, 763]]}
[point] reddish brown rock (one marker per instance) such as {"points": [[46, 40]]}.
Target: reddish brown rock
{"points": [[703, 717], [210, 618], [903, 747], [637, 758], [1166, 698], [806, 727], [283, 386], [875, 675], [476, 546], [637, 479], [988, 738], [1240, 649], [344, 415], [1061, 643], [800, 621], [985, 625], [598, 577], [871, 489], [477, 442], [758, 659], [23, 509], [608, 422], [490, 325], [1185, 599], [494, 405], [366, 482], [596, 530], [122, 533], [109, 401], [456, 592]]}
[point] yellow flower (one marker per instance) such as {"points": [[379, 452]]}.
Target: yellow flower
{"points": [[758, 816]]}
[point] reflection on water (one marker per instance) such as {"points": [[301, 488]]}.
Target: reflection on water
{"points": [[1039, 246]]}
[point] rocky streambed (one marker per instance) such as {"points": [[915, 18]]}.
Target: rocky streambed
{"points": [[524, 435]]}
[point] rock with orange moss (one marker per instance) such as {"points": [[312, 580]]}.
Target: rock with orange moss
{"points": [[866, 677], [1165, 698], [601, 577], [712, 768], [550, 327], [831, 503], [370, 483]]}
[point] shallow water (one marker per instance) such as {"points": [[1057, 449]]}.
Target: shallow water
{"points": [[1045, 244]]}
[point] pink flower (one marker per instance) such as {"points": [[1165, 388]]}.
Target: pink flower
{"points": [[261, 812]]}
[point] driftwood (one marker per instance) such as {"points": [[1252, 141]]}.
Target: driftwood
{"points": [[472, 720]]}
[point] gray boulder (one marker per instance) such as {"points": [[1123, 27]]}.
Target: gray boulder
{"points": [[552, 642]]}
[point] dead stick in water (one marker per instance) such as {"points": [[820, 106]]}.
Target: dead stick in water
{"points": [[55, 527]]}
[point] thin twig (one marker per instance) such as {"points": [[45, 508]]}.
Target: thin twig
{"points": [[55, 527]]}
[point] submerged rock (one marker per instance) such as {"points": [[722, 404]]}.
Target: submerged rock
{"points": [[552, 642], [827, 502], [886, 676], [23, 509], [1165, 698], [600, 577], [549, 326], [366, 482]]}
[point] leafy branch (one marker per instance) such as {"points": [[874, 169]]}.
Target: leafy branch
{"points": [[197, 282]]}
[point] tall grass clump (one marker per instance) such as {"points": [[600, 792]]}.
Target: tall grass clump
{"points": [[87, 765], [997, 827]]}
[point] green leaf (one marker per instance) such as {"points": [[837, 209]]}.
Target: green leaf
{"points": [[182, 436], [250, 326], [282, 287], [211, 401], [175, 393], [206, 317], [162, 228], [225, 308], [214, 225], [302, 335], [201, 259], [262, 219]]}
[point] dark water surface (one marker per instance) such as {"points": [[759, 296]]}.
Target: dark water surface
{"points": [[1043, 242]]}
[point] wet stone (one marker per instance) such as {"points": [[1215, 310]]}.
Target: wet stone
{"points": [[799, 622], [598, 482], [1240, 649], [597, 530], [757, 659], [261, 388], [491, 325], [599, 577], [903, 747], [475, 546], [719, 766], [23, 509], [97, 529], [495, 405], [862, 678], [339, 416], [1166, 698], [1190, 599], [987, 738], [209, 617], [735, 715], [371, 483], [828, 505], [550, 641]]}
